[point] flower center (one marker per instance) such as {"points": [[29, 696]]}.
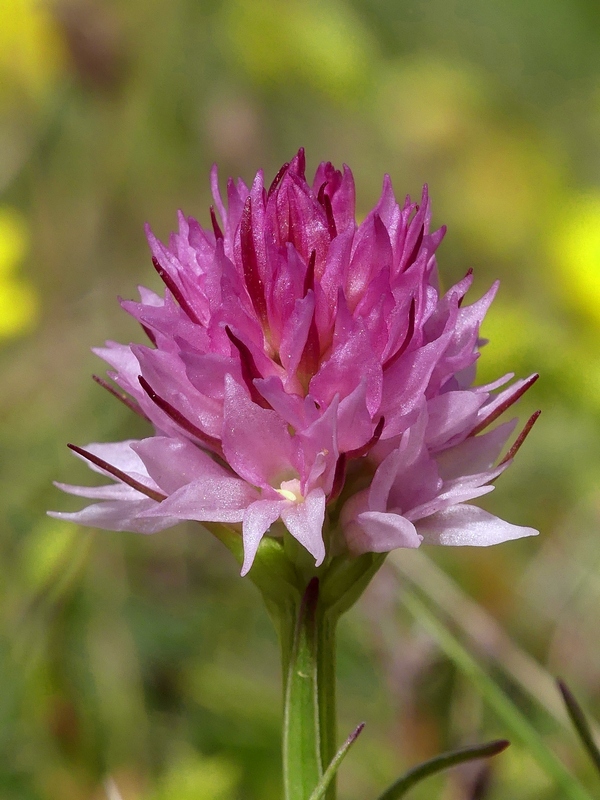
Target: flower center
{"points": [[290, 490]]}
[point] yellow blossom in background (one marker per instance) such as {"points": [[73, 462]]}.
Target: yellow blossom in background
{"points": [[18, 300], [322, 44], [32, 52], [575, 250]]}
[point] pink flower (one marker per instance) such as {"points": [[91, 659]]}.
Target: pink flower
{"points": [[305, 372]]}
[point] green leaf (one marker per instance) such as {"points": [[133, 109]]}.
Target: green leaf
{"points": [[439, 763], [580, 722], [518, 725], [331, 770]]}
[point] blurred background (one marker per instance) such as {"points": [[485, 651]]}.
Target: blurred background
{"points": [[143, 667]]}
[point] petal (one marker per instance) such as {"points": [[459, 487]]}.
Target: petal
{"points": [[383, 480], [378, 532], [295, 334], [451, 414], [256, 441], [355, 427], [258, 518], [118, 454], [119, 516], [305, 522], [173, 463], [112, 491], [453, 497], [166, 374], [208, 500], [469, 525], [475, 454]]}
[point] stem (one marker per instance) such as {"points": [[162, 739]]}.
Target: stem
{"points": [[307, 637], [326, 680]]}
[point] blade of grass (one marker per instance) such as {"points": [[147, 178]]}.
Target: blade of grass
{"points": [[439, 763], [580, 723], [518, 725], [331, 770], [485, 636]]}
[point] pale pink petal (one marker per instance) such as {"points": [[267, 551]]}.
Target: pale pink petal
{"points": [[112, 491], [450, 415], [258, 518], [173, 463], [304, 520], [476, 454], [377, 532], [207, 500], [119, 516], [468, 525], [354, 423]]}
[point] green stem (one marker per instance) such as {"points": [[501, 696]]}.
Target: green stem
{"points": [[326, 678], [307, 637]]}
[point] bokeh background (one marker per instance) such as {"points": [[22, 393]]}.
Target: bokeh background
{"points": [[143, 668]]}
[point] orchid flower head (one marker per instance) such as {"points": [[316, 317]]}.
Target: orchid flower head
{"points": [[304, 373]]}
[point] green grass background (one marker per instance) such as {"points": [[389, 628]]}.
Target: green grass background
{"points": [[144, 667]]}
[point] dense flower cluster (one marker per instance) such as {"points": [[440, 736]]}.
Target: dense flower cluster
{"points": [[305, 372]]}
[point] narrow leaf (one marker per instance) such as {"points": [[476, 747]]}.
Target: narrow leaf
{"points": [[441, 762], [580, 722], [517, 723], [331, 770]]}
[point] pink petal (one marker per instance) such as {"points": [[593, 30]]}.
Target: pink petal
{"points": [[304, 520], [207, 500], [377, 532], [258, 518], [172, 462], [476, 454], [256, 441], [469, 525], [119, 516], [111, 491], [451, 414]]}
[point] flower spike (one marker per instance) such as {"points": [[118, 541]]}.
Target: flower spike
{"points": [[337, 383]]}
